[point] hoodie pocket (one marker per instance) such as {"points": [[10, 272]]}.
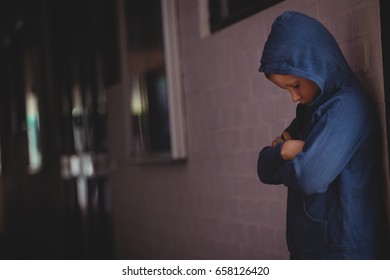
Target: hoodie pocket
{"points": [[305, 234]]}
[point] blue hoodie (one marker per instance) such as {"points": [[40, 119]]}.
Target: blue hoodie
{"points": [[335, 184]]}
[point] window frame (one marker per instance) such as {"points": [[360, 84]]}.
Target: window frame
{"points": [[174, 85]]}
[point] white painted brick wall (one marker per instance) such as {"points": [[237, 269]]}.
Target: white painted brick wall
{"points": [[214, 207]]}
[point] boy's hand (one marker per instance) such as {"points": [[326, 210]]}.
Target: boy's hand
{"points": [[284, 137], [291, 148]]}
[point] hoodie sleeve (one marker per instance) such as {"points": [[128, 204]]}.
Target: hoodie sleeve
{"points": [[268, 164], [328, 148]]}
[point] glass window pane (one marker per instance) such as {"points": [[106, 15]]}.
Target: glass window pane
{"points": [[226, 12], [150, 134]]}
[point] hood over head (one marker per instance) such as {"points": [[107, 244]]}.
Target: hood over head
{"points": [[300, 45]]}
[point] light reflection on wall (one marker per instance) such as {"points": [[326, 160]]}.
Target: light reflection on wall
{"points": [[33, 133], [139, 111], [31, 77], [77, 114], [76, 164]]}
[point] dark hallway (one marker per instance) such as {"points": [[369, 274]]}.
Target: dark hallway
{"points": [[56, 59]]}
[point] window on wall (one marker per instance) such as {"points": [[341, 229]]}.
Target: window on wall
{"points": [[223, 13], [149, 110], [154, 94]]}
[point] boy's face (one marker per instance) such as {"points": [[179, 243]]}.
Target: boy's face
{"points": [[302, 90]]}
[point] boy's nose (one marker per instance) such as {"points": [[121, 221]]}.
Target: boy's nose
{"points": [[295, 97]]}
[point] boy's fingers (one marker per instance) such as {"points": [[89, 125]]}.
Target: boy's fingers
{"points": [[286, 136], [276, 141]]}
